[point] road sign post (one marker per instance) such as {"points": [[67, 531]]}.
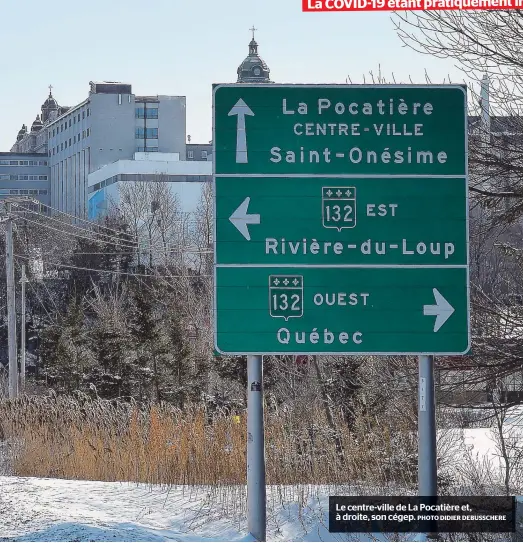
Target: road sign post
{"points": [[341, 223], [256, 490]]}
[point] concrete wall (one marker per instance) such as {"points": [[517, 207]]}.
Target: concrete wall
{"points": [[172, 125]]}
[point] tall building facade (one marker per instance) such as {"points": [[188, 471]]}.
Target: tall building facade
{"points": [[111, 124]]}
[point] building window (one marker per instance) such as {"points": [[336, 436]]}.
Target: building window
{"points": [[149, 113], [44, 192], [13, 163], [61, 128], [13, 192], [88, 132], [78, 136], [53, 132], [83, 114], [69, 123], [69, 142], [42, 178], [151, 149], [204, 155], [78, 117], [88, 111], [24, 163], [65, 146], [23, 178], [61, 147], [147, 133], [83, 134], [24, 192], [190, 154], [74, 139]]}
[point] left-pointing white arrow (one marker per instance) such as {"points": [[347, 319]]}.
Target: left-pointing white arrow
{"points": [[241, 109], [443, 310], [241, 219]]}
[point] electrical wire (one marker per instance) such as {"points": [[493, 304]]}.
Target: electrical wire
{"points": [[67, 266], [94, 223], [72, 234], [170, 251], [83, 220], [119, 242], [40, 300], [94, 240], [73, 226]]}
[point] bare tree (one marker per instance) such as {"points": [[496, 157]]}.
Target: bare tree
{"points": [[486, 45]]}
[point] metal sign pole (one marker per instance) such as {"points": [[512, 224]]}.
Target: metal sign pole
{"points": [[256, 493], [427, 467], [427, 460]]}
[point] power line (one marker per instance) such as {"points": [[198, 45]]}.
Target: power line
{"points": [[84, 220], [171, 251], [98, 225], [73, 226], [119, 240], [72, 234], [137, 248], [67, 266]]}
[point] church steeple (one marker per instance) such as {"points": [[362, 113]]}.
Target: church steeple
{"points": [[49, 105], [253, 69], [253, 46]]}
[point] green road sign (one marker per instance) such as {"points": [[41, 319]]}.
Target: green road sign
{"points": [[338, 310], [341, 191], [341, 221]]}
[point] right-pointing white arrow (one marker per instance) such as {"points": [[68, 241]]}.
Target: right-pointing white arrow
{"points": [[241, 219], [443, 310]]}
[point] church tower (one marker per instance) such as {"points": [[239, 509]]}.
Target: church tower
{"points": [[253, 69]]}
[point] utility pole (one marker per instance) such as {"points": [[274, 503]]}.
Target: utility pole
{"points": [[11, 305], [23, 280]]}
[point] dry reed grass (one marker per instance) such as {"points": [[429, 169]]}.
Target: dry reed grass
{"points": [[79, 438]]}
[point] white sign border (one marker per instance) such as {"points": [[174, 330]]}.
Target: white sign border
{"points": [[218, 86]]}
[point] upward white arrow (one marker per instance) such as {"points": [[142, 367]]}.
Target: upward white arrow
{"points": [[241, 109], [443, 310], [241, 219]]}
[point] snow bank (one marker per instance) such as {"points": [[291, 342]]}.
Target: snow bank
{"points": [[33, 509]]}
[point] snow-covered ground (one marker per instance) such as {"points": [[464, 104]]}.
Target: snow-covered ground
{"points": [[33, 509]]}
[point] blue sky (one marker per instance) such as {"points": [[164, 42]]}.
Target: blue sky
{"points": [[182, 47]]}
